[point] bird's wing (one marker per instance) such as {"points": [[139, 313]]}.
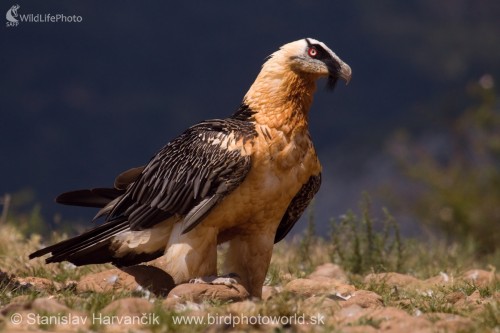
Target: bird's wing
{"points": [[189, 176], [297, 207]]}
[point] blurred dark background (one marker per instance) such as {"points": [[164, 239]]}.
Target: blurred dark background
{"points": [[81, 102]]}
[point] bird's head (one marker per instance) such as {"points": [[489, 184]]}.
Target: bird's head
{"points": [[311, 57], [287, 82]]}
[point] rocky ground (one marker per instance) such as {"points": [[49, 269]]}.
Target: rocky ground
{"points": [[325, 300]]}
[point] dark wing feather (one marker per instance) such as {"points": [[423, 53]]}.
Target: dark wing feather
{"points": [[100, 197], [188, 177], [96, 197], [128, 177], [298, 206]]}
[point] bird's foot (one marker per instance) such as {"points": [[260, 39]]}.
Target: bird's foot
{"points": [[228, 280]]}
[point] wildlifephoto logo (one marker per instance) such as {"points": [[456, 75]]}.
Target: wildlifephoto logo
{"points": [[14, 18], [11, 16]]}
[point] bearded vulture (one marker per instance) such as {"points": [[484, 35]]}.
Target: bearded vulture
{"points": [[244, 180]]}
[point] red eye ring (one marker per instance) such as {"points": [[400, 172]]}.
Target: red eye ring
{"points": [[312, 52]]}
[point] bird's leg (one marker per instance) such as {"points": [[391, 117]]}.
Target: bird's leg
{"points": [[191, 254], [249, 256]]}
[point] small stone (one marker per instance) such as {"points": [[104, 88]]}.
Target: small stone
{"points": [[50, 305], [350, 311], [394, 279], [171, 303], [472, 303], [129, 306], [320, 304], [454, 323], [268, 292], [133, 279], [326, 286], [359, 329], [38, 284], [197, 292], [329, 270], [106, 281], [442, 279], [363, 298], [408, 324], [14, 307], [479, 277], [246, 307], [21, 299], [455, 297], [389, 313]]}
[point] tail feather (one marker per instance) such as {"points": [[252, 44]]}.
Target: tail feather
{"points": [[96, 197], [82, 246], [99, 253], [96, 245], [91, 247]]}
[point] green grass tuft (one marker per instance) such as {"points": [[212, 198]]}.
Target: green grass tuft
{"points": [[360, 249]]}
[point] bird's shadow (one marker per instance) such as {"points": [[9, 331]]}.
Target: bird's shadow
{"points": [[151, 278]]}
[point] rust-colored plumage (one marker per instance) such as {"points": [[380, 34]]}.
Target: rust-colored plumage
{"points": [[244, 180]]}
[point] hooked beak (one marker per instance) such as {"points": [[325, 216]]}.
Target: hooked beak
{"points": [[345, 73], [338, 69]]}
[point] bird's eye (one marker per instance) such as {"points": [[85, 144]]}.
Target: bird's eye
{"points": [[312, 52]]}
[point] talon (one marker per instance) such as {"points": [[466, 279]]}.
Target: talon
{"points": [[197, 280], [227, 280]]}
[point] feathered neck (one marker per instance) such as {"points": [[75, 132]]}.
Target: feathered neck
{"points": [[280, 97]]}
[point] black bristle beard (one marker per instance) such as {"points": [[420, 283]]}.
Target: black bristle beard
{"points": [[331, 83]]}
